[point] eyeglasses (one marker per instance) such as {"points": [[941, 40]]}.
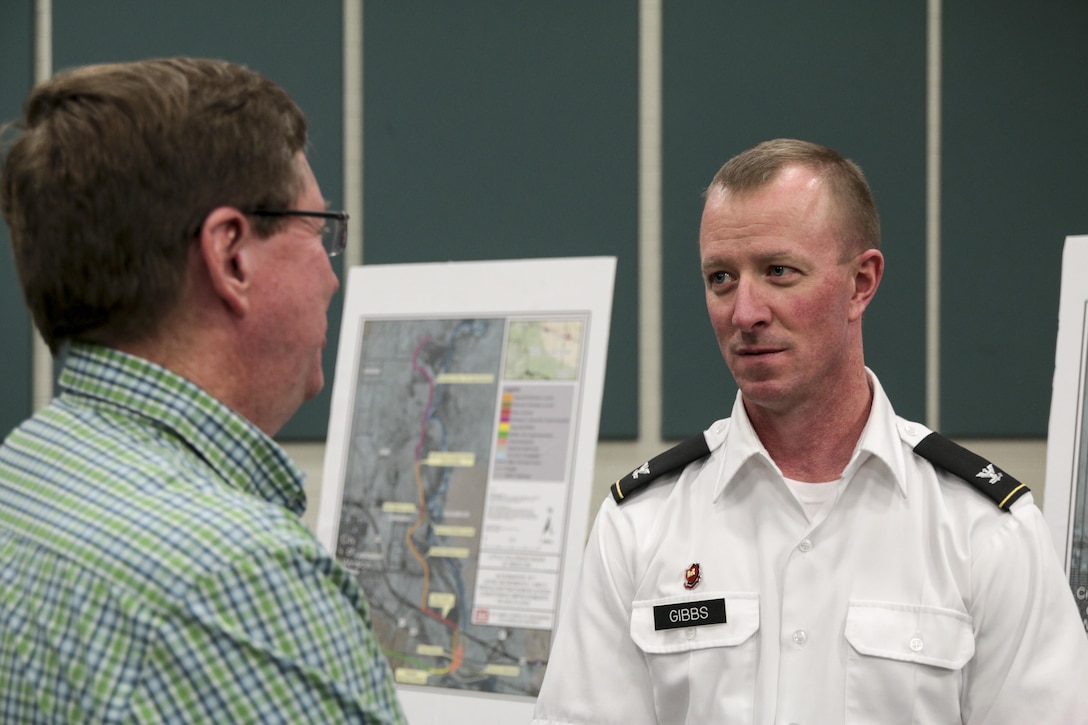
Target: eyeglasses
{"points": [[334, 232]]}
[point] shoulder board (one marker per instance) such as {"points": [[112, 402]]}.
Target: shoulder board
{"points": [[999, 486], [678, 456]]}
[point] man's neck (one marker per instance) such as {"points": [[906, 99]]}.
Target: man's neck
{"points": [[206, 357], [814, 443]]}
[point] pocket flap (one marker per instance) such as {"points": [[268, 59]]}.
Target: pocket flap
{"points": [[911, 633], [741, 622]]}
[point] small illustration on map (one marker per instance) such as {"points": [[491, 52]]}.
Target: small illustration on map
{"points": [[455, 494], [544, 350]]}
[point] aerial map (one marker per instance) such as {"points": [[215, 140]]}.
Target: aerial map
{"points": [[455, 496]]}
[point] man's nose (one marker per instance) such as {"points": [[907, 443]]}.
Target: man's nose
{"points": [[750, 308]]}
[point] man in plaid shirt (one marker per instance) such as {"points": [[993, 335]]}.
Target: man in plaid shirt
{"points": [[173, 247]]}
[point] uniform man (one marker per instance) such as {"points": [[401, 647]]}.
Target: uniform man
{"points": [[813, 558]]}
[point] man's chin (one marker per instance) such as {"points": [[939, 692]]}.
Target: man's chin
{"points": [[315, 384], [767, 393], [750, 371]]}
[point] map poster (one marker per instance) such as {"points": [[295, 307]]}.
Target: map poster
{"points": [[1066, 491], [458, 468]]}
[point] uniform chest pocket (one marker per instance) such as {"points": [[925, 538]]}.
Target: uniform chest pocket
{"points": [[905, 662], [700, 665]]}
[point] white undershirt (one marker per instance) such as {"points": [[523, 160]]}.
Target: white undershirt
{"points": [[813, 496]]}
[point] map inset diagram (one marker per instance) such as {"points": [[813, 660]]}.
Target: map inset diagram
{"points": [[455, 493]]}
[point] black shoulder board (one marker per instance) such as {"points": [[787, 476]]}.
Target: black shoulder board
{"points": [[976, 470], [676, 457]]}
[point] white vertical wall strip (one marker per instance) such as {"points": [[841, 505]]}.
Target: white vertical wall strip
{"points": [[353, 130], [41, 359], [649, 226], [933, 215], [614, 458], [43, 40]]}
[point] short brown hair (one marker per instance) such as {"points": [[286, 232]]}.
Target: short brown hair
{"points": [[759, 165], [113, 174]]}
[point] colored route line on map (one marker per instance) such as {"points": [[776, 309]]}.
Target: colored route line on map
{"points": [[457, 650], [412, 545]]}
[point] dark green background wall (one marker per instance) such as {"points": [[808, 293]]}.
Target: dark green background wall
{"points": [[1015, 183], [499, 130], [850, 75], [16, 78], [502, 130]]}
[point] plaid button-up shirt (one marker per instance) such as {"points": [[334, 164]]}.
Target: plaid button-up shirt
{"points": [[153, 566]]}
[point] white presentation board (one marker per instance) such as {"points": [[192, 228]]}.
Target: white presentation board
{"points": [[459, 466], [1066, 492]]}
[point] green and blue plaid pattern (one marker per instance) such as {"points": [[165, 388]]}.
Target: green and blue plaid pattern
{"points": [[153, 566]]}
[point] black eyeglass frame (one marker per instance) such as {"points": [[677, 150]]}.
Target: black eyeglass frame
{"points": [[336, 244]]}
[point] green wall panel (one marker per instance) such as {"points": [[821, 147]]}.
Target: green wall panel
{"points": [[501, 131], [508, 130], [850, 75], [298, 45], [1014, 185], [16, 79]]}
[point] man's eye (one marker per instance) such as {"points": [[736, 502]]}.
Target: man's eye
{"points": [[717, 278], [782, 271]]}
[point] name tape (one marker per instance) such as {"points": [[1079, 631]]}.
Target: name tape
{"points": [[689, 614]]}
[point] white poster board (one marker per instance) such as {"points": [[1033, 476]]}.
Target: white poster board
{"points": [[459, 465], [1066, 492]]}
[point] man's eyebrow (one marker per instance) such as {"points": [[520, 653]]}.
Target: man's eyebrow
{"points": [[713, 262], [762, 258]]}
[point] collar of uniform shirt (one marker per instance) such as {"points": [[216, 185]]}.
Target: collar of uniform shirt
{"points": [[879, 440]]}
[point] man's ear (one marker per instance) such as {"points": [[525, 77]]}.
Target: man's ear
{"points": [[868, 270], [223, 239]]}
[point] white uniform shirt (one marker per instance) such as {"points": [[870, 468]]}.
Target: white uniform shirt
{"points": [[911, 598]]}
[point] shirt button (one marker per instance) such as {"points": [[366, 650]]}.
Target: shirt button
{"points": [[916, 644], [805, 545], [690, 632], [800, 637]]}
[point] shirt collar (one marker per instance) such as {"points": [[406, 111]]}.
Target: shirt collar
{"points": [[880, 440], [239, 452]]}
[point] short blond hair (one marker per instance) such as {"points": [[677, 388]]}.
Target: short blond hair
{"points": [[756, 167]]}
